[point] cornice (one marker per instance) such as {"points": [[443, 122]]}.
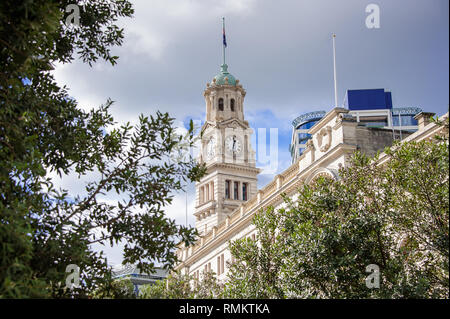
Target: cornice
{"points": [[238, 167]]}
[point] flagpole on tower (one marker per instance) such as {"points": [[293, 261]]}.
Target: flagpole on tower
{"points": [[334, 66]]}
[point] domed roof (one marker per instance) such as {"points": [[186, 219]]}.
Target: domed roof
{"points": [[224, 74]]}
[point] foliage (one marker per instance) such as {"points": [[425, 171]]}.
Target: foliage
{"points": [[257, 271], [42, 130], [394, 215], [116, 289], [181, 286], [208, 286], [175, 286]]}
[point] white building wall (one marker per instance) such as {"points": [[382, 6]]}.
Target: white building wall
{"points": [[312, 163]]}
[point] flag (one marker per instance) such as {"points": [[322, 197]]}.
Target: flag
{"points": [[224, 38]]}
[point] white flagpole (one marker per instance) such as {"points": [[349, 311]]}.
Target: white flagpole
{"points": [[334, 66]]}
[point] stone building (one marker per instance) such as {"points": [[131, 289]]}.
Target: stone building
{"points": [[227, 151], [370, 107], [227, 197]]}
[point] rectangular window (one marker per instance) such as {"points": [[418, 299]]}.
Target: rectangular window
{"points": [[236, 190], [207, 193], [244, 191], [408, 120], [227, 189], [218, 266], [374, 121]]}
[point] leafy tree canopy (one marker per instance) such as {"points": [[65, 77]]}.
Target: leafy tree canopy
{"points": [[180, 286], [319, 245], [42, 130]]}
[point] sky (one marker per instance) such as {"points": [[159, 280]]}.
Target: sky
{"points": [[281, 51]]}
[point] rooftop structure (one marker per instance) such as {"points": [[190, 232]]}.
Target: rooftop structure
{"points": [[137, 278], [370, 107]]}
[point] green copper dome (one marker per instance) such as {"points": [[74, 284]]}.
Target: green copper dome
{"points": [[220, 78]]}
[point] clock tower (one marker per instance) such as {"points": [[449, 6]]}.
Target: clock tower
{"points": [[231, 177]]}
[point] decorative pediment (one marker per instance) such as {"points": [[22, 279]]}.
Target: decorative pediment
{"points": [[208, 125], [233, 123]]}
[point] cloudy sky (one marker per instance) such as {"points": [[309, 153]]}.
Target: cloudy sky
{"points": [[281, 51]]}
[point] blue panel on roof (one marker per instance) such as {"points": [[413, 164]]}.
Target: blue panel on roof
{"points": [[388, 97], [371, 99]]}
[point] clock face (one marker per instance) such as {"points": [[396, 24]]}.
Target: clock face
{"points": [[211, 148], [233, 144]]}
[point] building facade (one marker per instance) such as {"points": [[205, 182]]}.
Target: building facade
{"points": [[223, 213], [300, 132], [370, 107]]}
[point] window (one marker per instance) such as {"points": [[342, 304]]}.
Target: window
{"points": [[244, 191], [232, 105], [236, 190], [307, 125], [220, 264], [207, 193], [374, 121], [196, 276], [220, 104], [303, 137], [300, 150], [405, 120], [408, 120], [227, 189]]}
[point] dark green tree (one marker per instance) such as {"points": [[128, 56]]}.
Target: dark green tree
{"points": [[118, 289], [393, 215], [257, 270], [181, 286], [42, 130]]}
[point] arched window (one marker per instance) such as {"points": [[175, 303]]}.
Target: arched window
{"points": [[220, 104], [232, 105]]}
